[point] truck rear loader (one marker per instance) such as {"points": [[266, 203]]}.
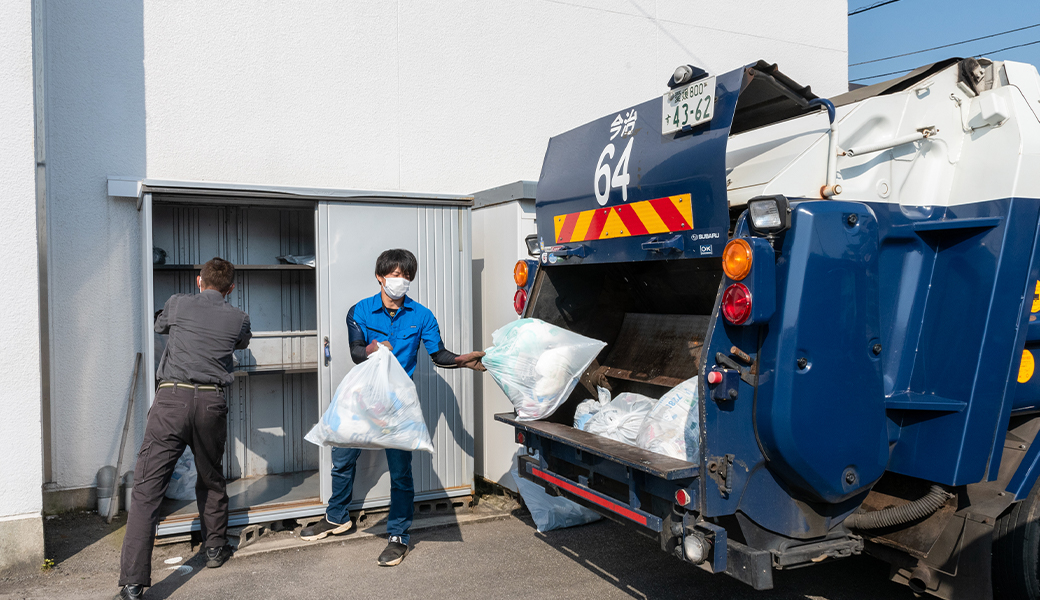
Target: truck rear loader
{"points": [[854, 282]]}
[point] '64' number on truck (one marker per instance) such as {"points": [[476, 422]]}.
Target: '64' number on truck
{"points": [[604, 182]]}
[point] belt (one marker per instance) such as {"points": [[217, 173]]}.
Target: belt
{"points": [[191, 386]]}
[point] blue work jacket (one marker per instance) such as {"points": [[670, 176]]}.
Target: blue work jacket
{"points": [[369, 321]]}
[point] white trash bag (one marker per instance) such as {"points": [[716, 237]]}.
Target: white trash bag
{"points": [[551, 512], [537, 365], [589, 407], [375, 406], [673, 426], [182, 484], [621, 418]]}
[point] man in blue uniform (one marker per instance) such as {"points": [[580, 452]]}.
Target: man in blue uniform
{"points": [[392, 319]]}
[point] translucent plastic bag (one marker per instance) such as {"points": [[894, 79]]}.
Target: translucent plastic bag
{"points": [[673, 426], [375, 406], [589, 407], [182, 484], [621, 418], [537, 365], [551, 512]]}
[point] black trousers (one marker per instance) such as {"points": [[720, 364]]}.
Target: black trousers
{"points": [[179, 417]]}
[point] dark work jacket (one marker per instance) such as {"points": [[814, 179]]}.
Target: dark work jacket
{"points": [[204, 332]]}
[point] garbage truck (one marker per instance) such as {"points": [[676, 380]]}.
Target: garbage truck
{"points": [[853, 282]]}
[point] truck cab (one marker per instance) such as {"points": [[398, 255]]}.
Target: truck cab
{"points": [[853, 282]]}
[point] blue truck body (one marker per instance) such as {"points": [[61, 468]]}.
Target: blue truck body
{"points": [[885, 355]]}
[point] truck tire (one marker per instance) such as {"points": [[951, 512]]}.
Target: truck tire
{"points": [[1016, 550]]}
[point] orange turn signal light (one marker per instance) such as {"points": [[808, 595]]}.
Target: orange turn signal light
{"points": [[520, 273], [736, 259]]}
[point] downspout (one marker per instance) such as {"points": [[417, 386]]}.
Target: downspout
{"points": [[830, 189], [42, 239]]}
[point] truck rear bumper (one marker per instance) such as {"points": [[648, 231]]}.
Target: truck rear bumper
{"points": [[651, 463], [646, 474]]}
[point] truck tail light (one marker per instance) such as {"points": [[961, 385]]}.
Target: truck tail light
{"points": [[520, 273], [736, 259], [520, 301], [736, 303]]}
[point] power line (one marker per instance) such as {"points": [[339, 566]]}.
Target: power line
{"points": [[980, 54], [864, 9], [867, 62], [1009, 48]]}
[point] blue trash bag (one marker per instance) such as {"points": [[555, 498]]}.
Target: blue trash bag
{"points": [[551, 512]]}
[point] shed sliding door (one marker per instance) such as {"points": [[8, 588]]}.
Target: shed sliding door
{"points": [[351, 235]]}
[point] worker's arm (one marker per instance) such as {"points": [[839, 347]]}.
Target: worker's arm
{"points": [[162, 318], [245, 335], [431, 336], [357, 337]]}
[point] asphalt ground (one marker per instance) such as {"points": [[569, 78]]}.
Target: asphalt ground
{"points": [[504, 557]]}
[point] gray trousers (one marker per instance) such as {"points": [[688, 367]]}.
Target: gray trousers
{"points": [[179, 417]]}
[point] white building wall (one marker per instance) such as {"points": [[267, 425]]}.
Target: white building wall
{"points": [[428, 96], [21, 532]]}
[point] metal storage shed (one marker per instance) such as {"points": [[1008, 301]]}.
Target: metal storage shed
{"points": [[299, 352]]}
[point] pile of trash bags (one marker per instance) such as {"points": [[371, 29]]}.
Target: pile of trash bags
{"points": [[375, 406], [668, 426], [537, 365]]}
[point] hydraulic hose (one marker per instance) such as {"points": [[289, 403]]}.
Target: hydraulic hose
{"points": [[924, 506]]}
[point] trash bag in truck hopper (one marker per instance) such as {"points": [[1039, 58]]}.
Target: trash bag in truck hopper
{"points": [[588, 408], [672, 427], [537, 365], [375, 406], [621, 418]]}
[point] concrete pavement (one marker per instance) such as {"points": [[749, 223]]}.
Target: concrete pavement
{"points": [[491, 559]]}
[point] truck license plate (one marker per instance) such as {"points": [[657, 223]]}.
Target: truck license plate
{"points": [[689, 105]]}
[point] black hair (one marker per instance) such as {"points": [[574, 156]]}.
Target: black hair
{"points": [[218, 274], [398, 258]]}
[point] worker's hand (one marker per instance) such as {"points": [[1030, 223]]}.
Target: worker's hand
{"points": [[471, 361], [369, 349]]}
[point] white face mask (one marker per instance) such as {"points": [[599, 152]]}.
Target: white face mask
{"points": [[396, 287]]}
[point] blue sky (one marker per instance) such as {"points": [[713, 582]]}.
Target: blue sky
{"points": [[912, 25]]}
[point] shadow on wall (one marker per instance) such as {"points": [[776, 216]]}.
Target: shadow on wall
{"points": [[94, 99]]}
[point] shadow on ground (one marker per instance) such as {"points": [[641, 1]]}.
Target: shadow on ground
{"points": [[635, 565]]}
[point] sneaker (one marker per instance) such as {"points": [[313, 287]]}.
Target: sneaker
{"points": [[217, 556], [131, 592], [394, 553], [323, 528]]}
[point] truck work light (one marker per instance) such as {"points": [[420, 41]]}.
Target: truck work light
{"points": [[769, 215], [737, 259]]}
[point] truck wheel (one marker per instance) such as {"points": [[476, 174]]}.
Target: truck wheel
{"points": [[1016, 550]]}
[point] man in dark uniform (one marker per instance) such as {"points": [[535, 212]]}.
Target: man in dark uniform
{"points": [[392, 319], [189, 410]]}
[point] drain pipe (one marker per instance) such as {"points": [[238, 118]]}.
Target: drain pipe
{"points": [[830, 189]]}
